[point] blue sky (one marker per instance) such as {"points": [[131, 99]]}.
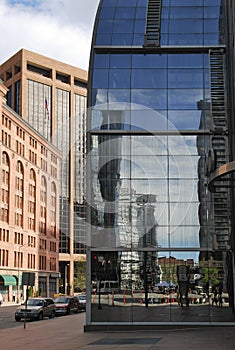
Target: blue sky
{"points": [[60, 29]]}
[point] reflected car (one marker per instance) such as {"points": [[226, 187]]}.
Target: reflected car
{"points": [[82, 302], [64, 305], [36, 309]]}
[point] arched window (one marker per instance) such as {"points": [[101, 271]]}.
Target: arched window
{"points": [[19, 194], [5, 188], [43, 205], [53, 209], [32, 201]]}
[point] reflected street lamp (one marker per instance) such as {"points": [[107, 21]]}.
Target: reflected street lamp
{"points": [[66, 278], [20, 261]]}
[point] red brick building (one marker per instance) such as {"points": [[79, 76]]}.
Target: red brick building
{"points": [[29, 206]]}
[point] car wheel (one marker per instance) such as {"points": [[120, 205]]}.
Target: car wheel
{"points": [[18, 319], [52, 315], [40, 317], [76, 311], [68, 311]]}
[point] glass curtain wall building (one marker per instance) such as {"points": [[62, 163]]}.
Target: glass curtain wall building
{"points": [[160, 239]]}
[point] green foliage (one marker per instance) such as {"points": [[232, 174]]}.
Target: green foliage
{"points": [[210, 274], [80, 276], [30, 292]]}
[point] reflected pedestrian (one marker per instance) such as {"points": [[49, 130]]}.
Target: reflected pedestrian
{"points": [[215, 300], [220, 300]]}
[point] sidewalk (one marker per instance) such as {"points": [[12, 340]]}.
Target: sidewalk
{"points": [[9, 303], [66, 333]]}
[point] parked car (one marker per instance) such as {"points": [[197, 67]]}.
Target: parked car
{"points": [[64, 305], [82, 302], [36, 309]]}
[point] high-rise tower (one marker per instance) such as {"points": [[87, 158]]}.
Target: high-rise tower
{"points": [[51, 97]]}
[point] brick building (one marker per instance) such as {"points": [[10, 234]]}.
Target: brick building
{"points": [[29, 206]]}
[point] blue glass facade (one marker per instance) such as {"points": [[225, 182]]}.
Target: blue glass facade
{"points": [[159, 240]]}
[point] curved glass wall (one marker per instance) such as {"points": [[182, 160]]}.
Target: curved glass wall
{"points": [[153, 234]]}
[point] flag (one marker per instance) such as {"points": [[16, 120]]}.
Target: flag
{"points": [[47, 108]]}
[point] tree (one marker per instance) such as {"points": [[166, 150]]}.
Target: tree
{"points": [[80, 275]]}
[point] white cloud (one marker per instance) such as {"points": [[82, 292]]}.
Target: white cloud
{"points": [[59, 29]]}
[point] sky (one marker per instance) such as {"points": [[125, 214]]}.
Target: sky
{"points": [[58, 29]]}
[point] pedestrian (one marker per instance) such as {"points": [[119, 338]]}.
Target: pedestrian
{"points": [[0, 298], [13, 296]]}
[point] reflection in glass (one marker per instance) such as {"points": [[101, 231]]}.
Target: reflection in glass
{"points": [[154, 241]]}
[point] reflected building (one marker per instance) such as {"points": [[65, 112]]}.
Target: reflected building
{"points": [[159, 115]]}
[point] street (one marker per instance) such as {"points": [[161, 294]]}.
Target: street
{"points": [[7, 317]]}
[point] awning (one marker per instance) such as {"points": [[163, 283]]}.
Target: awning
{"points": [[8, 280]]}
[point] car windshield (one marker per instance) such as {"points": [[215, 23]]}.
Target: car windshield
{"points": [[81, 297], [35, 302], [61, 300]]}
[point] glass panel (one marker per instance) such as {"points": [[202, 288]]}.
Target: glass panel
{"points": [[185, 78], [107, 12], [185, 119], [189, 3], [103, 39], [120, 61], [184, 236], [140, 26], [100, 78], [183, 190], [183, 214], [184, 26], [125, 12], [119, 95], [119, 78], [142, 2], [101, 61], [123, 26], [182, 12], [125, 3], [122, 39], [155, 99], [148, 78], [140, 13], [149, 60], [185, 99], [185, 39], [148, 167], [185, 61], [105, 26], [108, 3], [148, 119], [212, 3], [183, 167], [213, 39], [99, 96], [211, 26], [212, 12], [138, 39], [183, 145]]}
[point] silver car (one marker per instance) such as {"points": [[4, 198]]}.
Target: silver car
{"points": [[36, 309]]}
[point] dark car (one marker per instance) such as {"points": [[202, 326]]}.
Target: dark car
{"points": [[36, 309], [82, 302], [64, 305]]}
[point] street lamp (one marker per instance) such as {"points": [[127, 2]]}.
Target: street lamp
{"points": [[19, 260], [66, 278]]}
